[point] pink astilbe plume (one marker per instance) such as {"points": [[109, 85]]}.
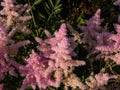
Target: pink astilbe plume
{"points": [[8, 47], [92, 29], [8, 10], [94, 34], [100, 40], [3, 44], [74, 82], [114, 40], [113, 46], [117, 3], [1, 87], [15, 16], [110, 50], [98, 81], [53, 64], [63, 50], [10, 18], [36, 72]]}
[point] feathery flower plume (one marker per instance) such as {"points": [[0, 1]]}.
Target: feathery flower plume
{"points": [[117, 3], [99, 80], [15, 16], [53, 64], [92, 30], [8, 47], [100, 40]]}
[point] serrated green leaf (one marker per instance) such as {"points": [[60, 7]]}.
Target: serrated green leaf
{"points": [[51, 3], [37, 2]]}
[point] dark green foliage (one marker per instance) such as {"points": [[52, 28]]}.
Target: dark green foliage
{"points": [[46, 15]]}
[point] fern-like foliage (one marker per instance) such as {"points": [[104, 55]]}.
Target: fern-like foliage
{"points": [[47, 17]]}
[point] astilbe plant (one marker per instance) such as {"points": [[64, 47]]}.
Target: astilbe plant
{"points": [[15, 16], [117, 3], [92, 29], [8, 47], [53, 65], [100, 40], [111, 50], [98, 81], [104, 43]]}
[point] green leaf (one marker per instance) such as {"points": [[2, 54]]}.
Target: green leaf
{"points": [[42, 17], [80, 20], [51, 4], [57, 11], [57, 2], [47, 8], [37, 2], [62, 21], [58, 7]]}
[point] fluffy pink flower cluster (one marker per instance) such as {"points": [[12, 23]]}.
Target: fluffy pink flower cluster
{"points": [[117, 3], [53, 64], [8, 47], [98, 81], [100, 40], [15, 16]]}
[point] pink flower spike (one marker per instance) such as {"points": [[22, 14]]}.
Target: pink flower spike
{"points": [[117, 28], [1, 87], [117, 3]]}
